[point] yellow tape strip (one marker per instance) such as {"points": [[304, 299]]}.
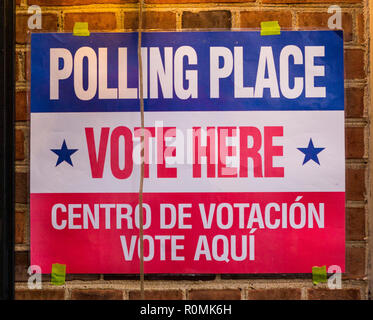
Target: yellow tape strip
{"points": [[58, 274], [81, 29], [270, 28], [319, 274]]}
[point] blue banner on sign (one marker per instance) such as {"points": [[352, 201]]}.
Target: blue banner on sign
{"points": [[188, 71]]}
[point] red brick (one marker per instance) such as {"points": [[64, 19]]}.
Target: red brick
{"points": [[355, 184], [354, 142], [354, 64], [151, 20], [22, 263], [317, 20], [49, 24], [360, 28], [252, 19], [355, 224], [337, 294], [226, 294], [20, 145], [19, 227], [354, 99], [21, 106], [217, 19], [36, 294], [27, 63], [78, 2], [355, 263], [274, 294], [17, 66], [96, 294], [97, 21], [21, 187], [157, 295]]}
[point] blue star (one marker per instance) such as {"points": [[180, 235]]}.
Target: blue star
{"points": [[311, 153], [64, 154]]}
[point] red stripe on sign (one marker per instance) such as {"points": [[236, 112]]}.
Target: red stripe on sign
{"points": [[281, 232]]}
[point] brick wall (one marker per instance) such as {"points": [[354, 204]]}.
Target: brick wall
{"points": [[121, 15]]}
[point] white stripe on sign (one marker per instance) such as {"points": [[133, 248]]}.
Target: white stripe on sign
{"points": [[295, 151]]}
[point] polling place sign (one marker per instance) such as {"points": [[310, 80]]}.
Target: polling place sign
{"points": [[244, 152]]}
